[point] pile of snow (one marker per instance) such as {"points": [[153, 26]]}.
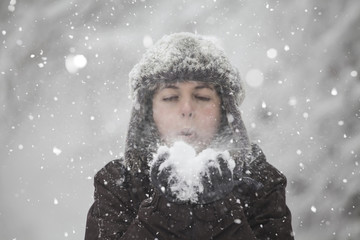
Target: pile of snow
{"points": [[188, 168]]}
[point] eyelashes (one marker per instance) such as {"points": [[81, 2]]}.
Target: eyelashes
{"points": [[206, 99], [170, 99], [176, 98]]}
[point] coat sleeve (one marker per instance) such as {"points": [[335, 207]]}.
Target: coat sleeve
{"points": [[115, 213], [115, 206], [265, 201], [219, 220]]}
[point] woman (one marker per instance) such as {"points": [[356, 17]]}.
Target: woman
{"points": [[187, 96]]}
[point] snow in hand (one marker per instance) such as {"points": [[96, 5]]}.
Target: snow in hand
{"points": [[189, 168]]}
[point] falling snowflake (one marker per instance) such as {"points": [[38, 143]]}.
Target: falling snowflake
{"points": [[313, 209], [263, 104], [254, 78], [56, 151], [353, 73], [237, 221], [74, 63], [271, 53], [11, 6], [334, 92]]}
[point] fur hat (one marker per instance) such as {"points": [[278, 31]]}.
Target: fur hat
{"points": [[182, 57], [185, 56]]}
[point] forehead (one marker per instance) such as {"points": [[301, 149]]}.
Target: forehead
{"points": [[196, 85]]}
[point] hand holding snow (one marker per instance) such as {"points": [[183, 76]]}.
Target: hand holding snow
{"points": [[182, 175]]}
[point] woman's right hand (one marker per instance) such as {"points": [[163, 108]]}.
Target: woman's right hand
{"points": [[214, 182]]}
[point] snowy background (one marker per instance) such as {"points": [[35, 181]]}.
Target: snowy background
{"points": [[65, 107]]}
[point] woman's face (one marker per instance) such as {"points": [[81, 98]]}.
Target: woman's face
{"points": [[188, 111]]}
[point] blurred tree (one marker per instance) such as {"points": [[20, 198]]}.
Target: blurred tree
{"points": [[59, 127]]}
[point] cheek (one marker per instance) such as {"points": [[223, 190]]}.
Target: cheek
{"points": [[163, 120], [158, 115], [211, 118]]}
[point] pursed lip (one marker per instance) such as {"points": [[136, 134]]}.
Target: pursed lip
{"points": [[187, 133]]}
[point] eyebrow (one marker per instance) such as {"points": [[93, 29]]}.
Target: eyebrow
{"points": [[202, 86], [170, 86]]}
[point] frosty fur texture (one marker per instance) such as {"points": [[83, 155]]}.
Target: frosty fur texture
{"points": [[185, 56], [187, 170]]}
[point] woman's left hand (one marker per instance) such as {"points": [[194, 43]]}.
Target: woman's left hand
{"points": [[215, 182]]}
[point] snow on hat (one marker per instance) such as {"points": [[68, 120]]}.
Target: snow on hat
{"points": [[181, 57], [185, 56]]}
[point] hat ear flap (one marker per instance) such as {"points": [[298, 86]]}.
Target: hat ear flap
{"points": [[142, 137], [233, 129]]}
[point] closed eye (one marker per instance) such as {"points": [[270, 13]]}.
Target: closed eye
{"points": [[170, 99], [201, 98]]}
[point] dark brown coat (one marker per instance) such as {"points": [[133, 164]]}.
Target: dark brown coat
{"points": [[126, 207]]}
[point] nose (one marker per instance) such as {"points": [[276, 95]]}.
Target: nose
{"points": [[184, 114], [187, 108]]}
